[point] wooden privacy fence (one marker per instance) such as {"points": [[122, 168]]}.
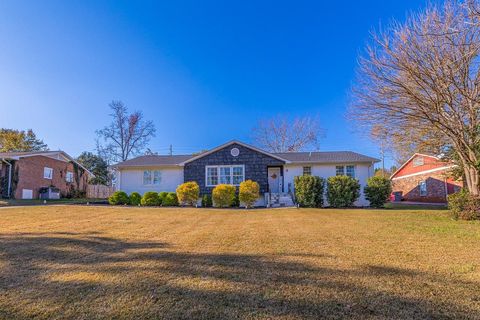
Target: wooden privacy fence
{"points": [[98, 191]]}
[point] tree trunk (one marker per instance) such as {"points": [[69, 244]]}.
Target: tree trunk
{"points": [[471, 179]]}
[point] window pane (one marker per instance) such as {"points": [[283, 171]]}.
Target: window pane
{"points": [[212, 177], [156, 177], [340, 170], [307, 171], [225, 175], [351, 171], [423, 188], [147, 177], [238, 176], [418, 161]]}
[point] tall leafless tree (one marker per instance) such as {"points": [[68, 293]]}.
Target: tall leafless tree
{"points": [[424, 76], [126, 136], [281, 134]]}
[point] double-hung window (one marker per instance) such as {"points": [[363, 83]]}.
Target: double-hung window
{"points": [[234, 174], [423, 188], [69, 176], [307, 171], [48, 173], [345, 171], [151, 177]]}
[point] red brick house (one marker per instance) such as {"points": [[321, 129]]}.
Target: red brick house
{"points": [[23, 174], [425, 178]]}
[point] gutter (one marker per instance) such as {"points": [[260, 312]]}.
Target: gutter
{"points": [[9, 178]]}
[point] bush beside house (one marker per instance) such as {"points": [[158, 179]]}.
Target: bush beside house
{"points": [[207, 201], [119, 198], [135, 198], [342, 191], [223, 195], [188, 193], [377, 191], [170, 200], [150, 199], [309, 191], [464, 206], [249, 192]]}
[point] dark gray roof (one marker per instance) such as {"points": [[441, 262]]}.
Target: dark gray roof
{"points": [[154, 160], [326, 157]]}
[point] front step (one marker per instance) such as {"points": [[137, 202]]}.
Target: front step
{"points": [[275, 200]]}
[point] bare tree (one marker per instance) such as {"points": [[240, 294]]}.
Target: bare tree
{"points": [[280, 134], [126, 136], [424, 76]]}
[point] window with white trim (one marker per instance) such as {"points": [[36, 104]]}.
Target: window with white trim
{"points": [[47, 173], [151, 177], [234, 175], [418, 161], [307, 171], [422, 185], [345, 171], [69, 176]]}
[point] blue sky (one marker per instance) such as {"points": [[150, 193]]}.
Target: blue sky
{"points": [[204, 72]]}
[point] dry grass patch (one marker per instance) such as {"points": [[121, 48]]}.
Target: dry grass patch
{"points": [[129, 263]]}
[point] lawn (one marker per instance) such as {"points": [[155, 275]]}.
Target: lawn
{"points": [[86, 262]]}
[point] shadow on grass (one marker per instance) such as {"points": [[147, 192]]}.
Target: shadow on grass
{"points": [[44, 275]]}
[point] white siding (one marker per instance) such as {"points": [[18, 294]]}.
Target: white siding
{"points": [[131, 180], [362, 173]]}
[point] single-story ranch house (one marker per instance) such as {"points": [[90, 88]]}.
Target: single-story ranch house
{"points": [[234, 162], [24, 174], [424, 178]]}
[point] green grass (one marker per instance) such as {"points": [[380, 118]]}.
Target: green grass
{"points": [[403, 206], [86, 262]]}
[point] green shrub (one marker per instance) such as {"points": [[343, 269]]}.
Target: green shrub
{"points": [[342, 191], [150, 199], [170, 200], [188, 193], [464, 206], [235, 201], [118, 198], [207, 201], [377, 191], [309, 191], [161, 196], [135, 198], [249, 192], [223, 195]]}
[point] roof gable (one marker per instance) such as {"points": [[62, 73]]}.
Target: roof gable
{"points": [[429, 162]]}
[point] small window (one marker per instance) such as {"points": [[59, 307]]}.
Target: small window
{"points": [[151, 177], [307, 171], [423, 188], [69, 176], [238, 175], [212, 176], [48, 173], [350, 171], [418, 161], [340, 170]]}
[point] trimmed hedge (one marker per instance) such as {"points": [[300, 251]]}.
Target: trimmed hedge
{"points": [[249, 192], [223, 195], [135, 198], [342, 191], [188, 193], [377, 191], [309, 191], [118, 198], [170, 200], [464, 206], [161, 196], [207, 201], [150, 199]]}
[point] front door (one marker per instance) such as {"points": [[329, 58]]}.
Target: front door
{"points": [[274, 180]]}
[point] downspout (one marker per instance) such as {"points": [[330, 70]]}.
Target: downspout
{"points": [[9, 177]]}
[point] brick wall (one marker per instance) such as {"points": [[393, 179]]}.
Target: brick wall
{"points": [[30, 176], [437, 184]]}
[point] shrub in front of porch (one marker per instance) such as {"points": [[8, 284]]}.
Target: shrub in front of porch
{"points": [[223, 195], [309, 191], [377, 191], [188, 193], [342, 191], [249, 192]]}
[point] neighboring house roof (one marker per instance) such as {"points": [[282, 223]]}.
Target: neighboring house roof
{"points": [[287, 157], [439, 167], [326, 157], [50, 154]]}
